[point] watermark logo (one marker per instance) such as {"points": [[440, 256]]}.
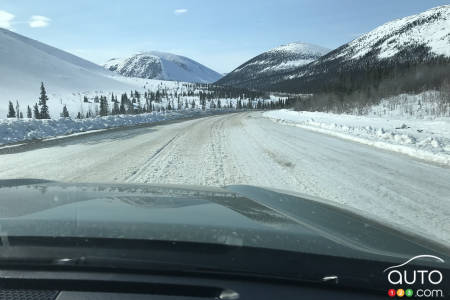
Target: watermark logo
{"points": [[418, 283]]}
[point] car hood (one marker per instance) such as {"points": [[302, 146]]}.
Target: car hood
{"points": [[234, 215]]}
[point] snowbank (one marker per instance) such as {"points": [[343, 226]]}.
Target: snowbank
{"points": [[424, 139], [17, 130]]}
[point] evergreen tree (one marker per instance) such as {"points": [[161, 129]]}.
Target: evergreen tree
{"points": [[139, 106], [65, 112], [29, 113], [36, 112], [103, 106], [11, 111], [130, 109], [21, 115], [116, 109], [44, 113], [17, 109], [122, 109]]}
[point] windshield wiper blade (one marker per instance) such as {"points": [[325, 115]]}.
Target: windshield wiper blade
{"points": [[121, 264]]}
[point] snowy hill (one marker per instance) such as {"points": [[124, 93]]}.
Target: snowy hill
{"points": [[24, 63], [429, 30], [164, 66], [273, 63], [397, 48]]}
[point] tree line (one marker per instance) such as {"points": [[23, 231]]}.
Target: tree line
{"points": [[363, 87], [40, 109], [195, 96]]}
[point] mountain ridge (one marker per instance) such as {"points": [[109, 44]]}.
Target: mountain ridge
{"points": [[419, 39], [273, 62], [163, 66], [405, 49]]}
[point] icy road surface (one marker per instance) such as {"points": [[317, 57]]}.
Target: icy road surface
{"points": [[246, 148]]}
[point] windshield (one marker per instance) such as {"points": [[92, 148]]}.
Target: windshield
{"points": [[314, 126]]}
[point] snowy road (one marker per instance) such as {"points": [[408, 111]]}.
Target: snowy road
{"points": [[245, 148]]}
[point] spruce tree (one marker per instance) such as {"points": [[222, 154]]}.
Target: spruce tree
{"points": [[36, 112], [122, 109], [130, 109], [17, 109], [44, 113], [65, 112], [29, 113], [116, 109], [103, 106], [11, 111]]}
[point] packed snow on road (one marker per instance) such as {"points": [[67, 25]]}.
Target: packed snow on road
{"points": [[249, 148]]}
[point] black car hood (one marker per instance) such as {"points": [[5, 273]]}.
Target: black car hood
{"points": [[235, 215]]}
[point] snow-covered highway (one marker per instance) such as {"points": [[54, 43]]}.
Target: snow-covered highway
{"points": [[245, 148]]}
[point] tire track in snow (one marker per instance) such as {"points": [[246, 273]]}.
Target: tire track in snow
{"points": [[195, 156], [137, 173]]}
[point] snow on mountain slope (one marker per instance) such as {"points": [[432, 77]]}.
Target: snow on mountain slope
{"points": [[430, 29], [272, 63], [417, 39], [164, 66], [286, 57], [24, 63]]}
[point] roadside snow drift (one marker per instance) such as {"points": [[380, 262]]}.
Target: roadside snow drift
{"points": [[420, 138], [17, 130]]}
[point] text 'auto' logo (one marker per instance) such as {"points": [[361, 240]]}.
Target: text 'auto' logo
{"points": [[428, 280]]}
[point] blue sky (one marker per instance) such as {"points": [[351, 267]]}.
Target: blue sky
{"points": [[220, 34]]}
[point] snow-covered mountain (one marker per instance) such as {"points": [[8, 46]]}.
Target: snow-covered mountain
{"points": [[24, 63], [430, 30], [273, 63], [164, 66], [418, 40]]}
